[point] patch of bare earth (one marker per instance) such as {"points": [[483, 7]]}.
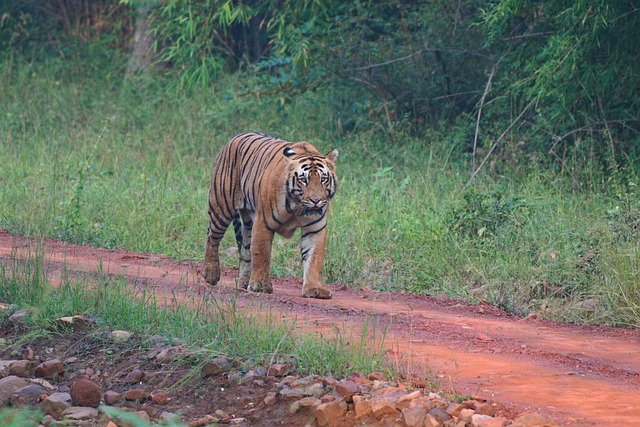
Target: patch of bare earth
{"points": [[571, 374]]}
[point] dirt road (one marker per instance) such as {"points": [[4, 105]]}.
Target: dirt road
{"points": [[581, 376]]}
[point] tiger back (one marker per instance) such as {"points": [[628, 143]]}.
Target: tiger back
{"points": [[264, 185]]}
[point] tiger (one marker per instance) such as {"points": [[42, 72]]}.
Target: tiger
{"points": [[264, 185]]}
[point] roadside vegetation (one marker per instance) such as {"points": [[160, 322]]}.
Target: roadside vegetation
{"points": [[490, 178]]}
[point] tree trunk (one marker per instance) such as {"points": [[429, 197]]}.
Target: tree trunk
{"points": [[142, 55]]}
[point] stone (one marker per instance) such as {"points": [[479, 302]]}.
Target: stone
{"points": [[430, 421], [383, 405], [56, 404], [49, 368], [82, 323], [168, 417], [215, 366], [143, 416], [496, 422], [121, 336], [359, 378], [483, 408], [466, 414], [134, 376], [8, 385], [21, 368], [4, 367], [410, 396], [28, 354], [291, 394], [479, 420], [330, 414], [531, 419], [414, 417], [112, 397], [209, 419], [347, 389], [44, 383], [278, 370], [137, 394], [159, 397], [440, 415], [315, 389], [80, 413], [270, 399], [28, 395], [361, 406], [85, 392], [19, 316], [377, 376]]}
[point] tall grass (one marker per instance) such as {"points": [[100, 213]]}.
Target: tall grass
{"points": [[91, 159]]}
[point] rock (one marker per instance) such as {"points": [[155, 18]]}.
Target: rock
{"points": [[85, 392], [44, 383], [56, 404], [483, 408], [414, 417], [270, 399], [215, 366], [383, 405], [479, 420], [430, 421], [159, 398], [112, 397], [19, 316], [291, 394], [134, 376], [80, 413], [70, 360], [47, 420], [531, 419], [358, 378], [21, 368], [315, 389], [219, 413], [439, 415], [121, 336], [278, 370], [377, 376], [209, 419], [137, 394], [4, 367], [49, 368], [8, 385], [329, 414], [496, 422], [28, 395], [168, 417], [28, 354], [82, 323], [143, 416], [347, 389], [362, 406], [465, 414]]}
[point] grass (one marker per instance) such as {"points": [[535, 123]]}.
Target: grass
{"points": [[205, 324], [91, 159]]}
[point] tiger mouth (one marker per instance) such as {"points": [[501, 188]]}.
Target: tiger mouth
{"points": [[308, 210]]}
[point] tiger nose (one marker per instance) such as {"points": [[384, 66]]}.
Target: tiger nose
{"points": [[315, 201]]}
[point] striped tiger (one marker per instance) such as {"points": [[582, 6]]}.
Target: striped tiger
{"points": [[264, 185]]}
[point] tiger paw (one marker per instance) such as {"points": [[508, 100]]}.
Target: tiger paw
{"points": [[260, 287], [319, 293], [211, 275]]}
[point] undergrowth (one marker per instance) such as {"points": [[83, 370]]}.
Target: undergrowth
{"points": [[93, 159]]}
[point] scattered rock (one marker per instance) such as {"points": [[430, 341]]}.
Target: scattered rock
{"points": [[377, 376], [49, 368], [440, 415], [44, 383], [362, 406], [291, 394], [112, 397], [168, 417], [19, 316], [4, 366], [21, 368], [278, 370], [483, 408], [329, 414], [8, 385], [121, 336], [383, 405], [80, 413], [137, 394], [28, 354], [215, 366], [347, 389], [85, 392], [531, 419], [479, 420], [56, 404], [270, 399], [159, 398], [28, 395], [209, 419], [414, 417], [134, 376]]}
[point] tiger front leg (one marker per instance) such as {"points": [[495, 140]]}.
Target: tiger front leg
{"points": [[261, 241], [312, 251]]}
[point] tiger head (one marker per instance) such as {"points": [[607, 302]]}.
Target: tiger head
{"points": [[311, 180]]}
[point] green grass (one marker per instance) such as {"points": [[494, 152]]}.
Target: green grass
{"points": [[91, 159], [207, 325]]}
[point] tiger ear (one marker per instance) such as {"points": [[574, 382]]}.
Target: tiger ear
{"points": [[288, 152], [332, 155]]}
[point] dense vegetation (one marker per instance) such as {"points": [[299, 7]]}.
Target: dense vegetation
{"points": [[488, 149]]}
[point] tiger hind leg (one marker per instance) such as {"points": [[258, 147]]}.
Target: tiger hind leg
{"points": [[215, 232], [244, 248]]}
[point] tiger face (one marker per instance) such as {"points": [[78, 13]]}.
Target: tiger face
{"points": [[311, 182]]}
